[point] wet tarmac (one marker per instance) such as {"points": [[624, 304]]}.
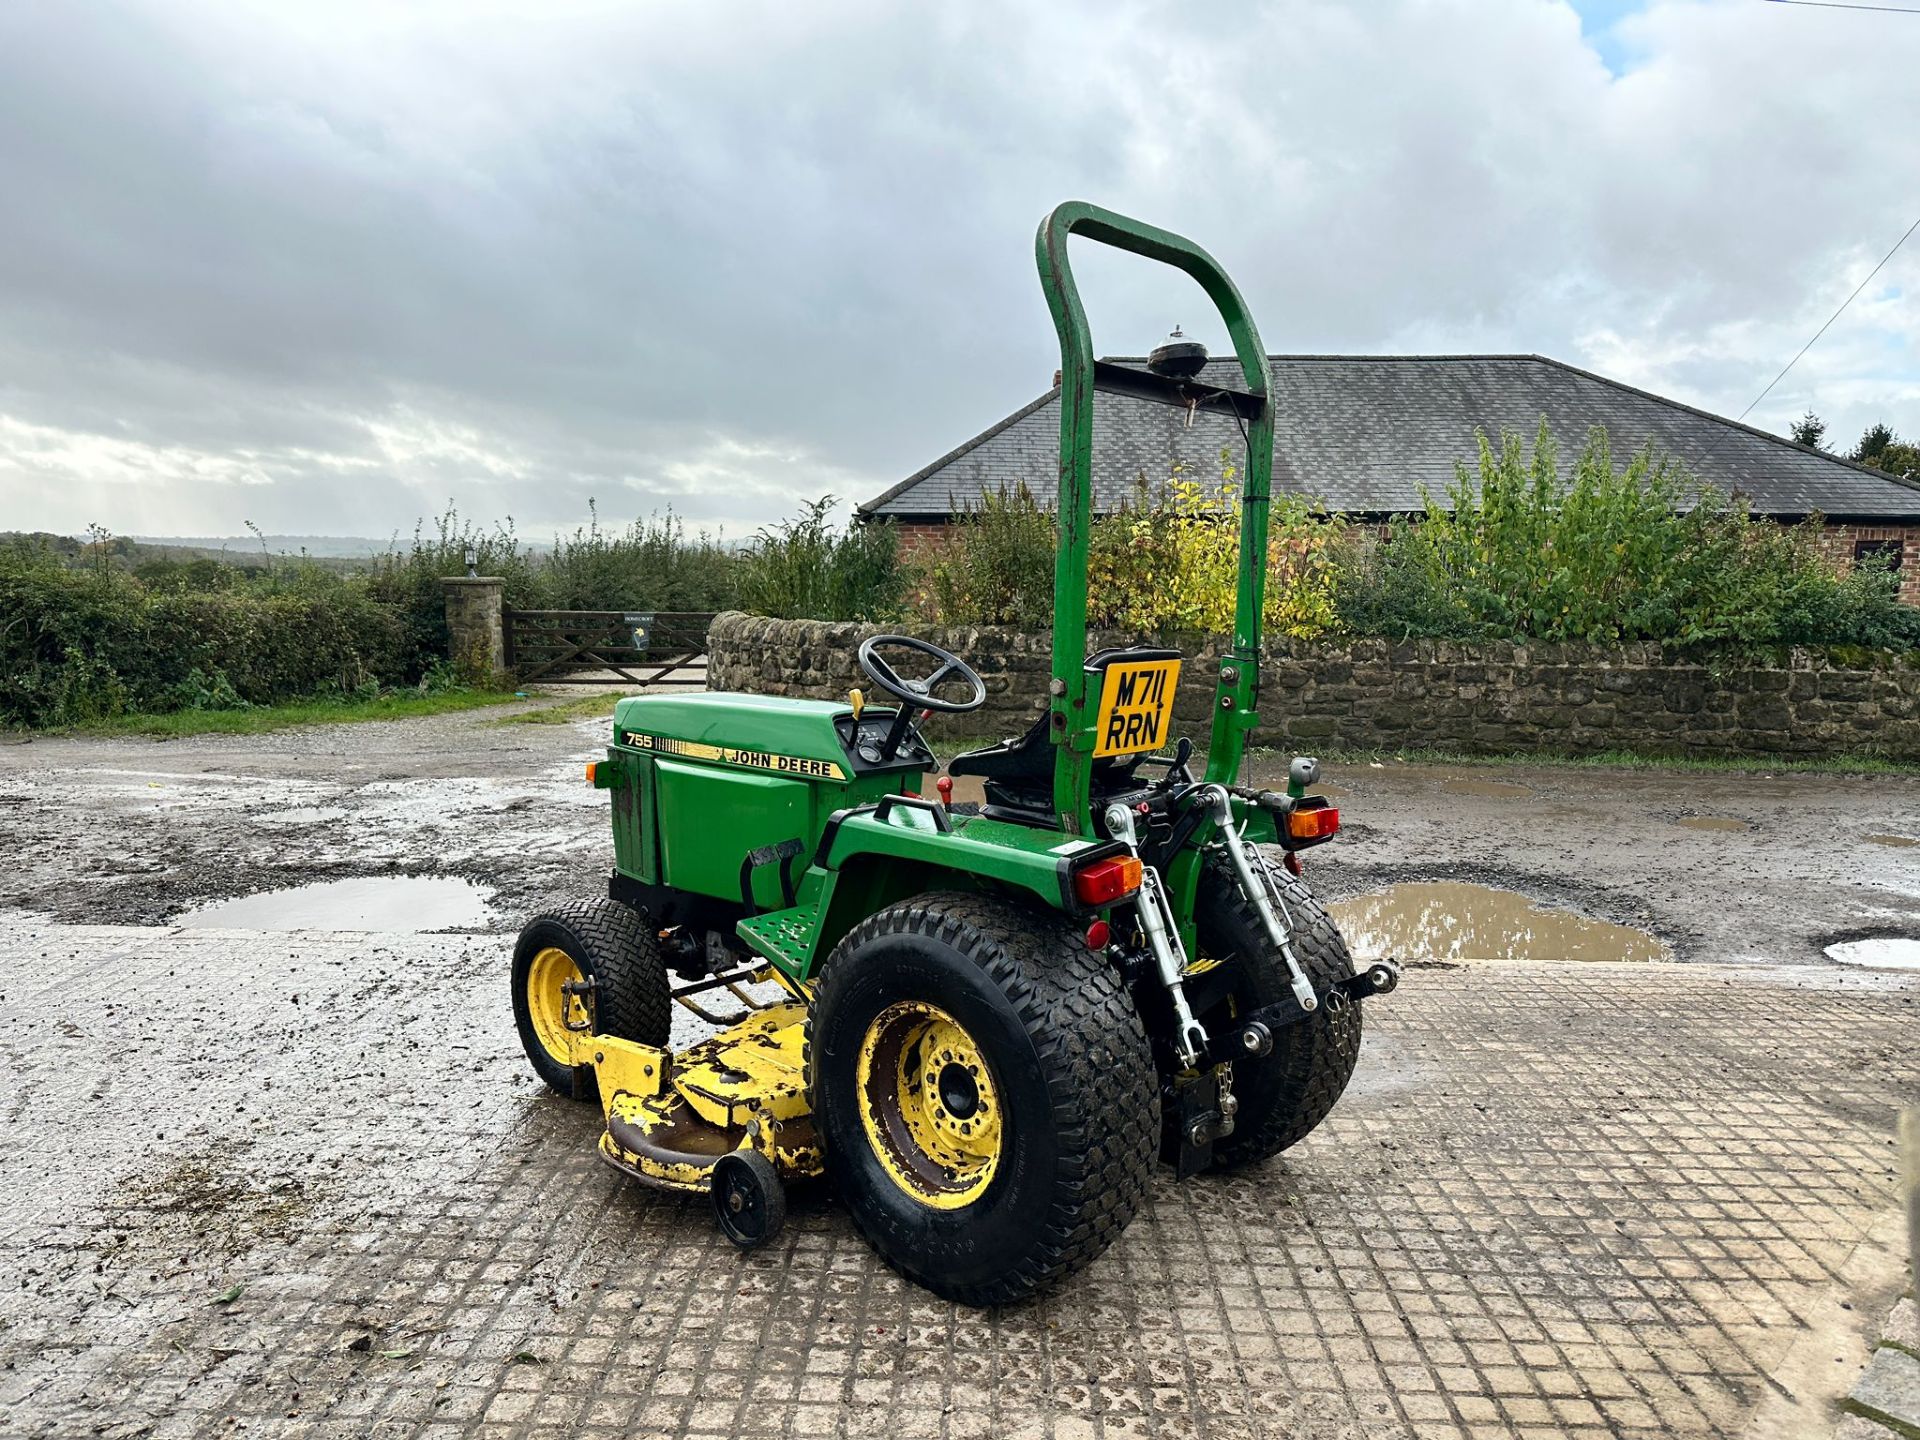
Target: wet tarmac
{"points": [[1712, 822]]}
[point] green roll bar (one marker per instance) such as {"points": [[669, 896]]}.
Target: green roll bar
{"points": [[1072, 722]]}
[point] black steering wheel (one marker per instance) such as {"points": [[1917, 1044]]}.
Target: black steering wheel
{"points": [[917, 694]]}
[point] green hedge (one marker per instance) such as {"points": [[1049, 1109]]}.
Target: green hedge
{"points": [[80, 645]]}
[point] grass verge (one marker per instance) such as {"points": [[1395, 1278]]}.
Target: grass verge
{"points": [[588, 707], [258, 719]]}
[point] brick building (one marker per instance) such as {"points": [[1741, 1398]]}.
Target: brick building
{"points": [[1364, 433]]}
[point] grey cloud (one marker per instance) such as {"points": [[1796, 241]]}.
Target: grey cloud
{"points": [[327, 269]]}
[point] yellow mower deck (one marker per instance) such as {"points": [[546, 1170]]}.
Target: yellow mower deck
{"points": [[671, 1116]]}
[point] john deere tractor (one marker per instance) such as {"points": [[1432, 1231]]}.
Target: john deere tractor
{"points": [[981, 1023]]}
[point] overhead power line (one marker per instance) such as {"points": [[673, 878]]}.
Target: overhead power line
{"points": [[1843, 5], [1836, 314]]}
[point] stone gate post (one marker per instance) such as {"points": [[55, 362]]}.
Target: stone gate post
{"points": [[476, 626]]}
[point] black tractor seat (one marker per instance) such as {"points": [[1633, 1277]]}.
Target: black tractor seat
{"points": [[1027, 759], [1019, 776]]}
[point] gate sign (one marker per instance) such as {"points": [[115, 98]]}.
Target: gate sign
{"points": [[1136, 702], [641, 624]]}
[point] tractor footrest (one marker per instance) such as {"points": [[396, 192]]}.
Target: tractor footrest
{"points": [[784, 936]]}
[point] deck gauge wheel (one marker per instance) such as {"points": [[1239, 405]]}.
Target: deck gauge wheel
{"points": [[748, 1199]]}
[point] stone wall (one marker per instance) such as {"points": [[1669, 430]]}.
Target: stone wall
{"points": [[1486, 697]]}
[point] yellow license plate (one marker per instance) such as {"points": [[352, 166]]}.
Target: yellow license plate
{"points": [[1136, 706]]}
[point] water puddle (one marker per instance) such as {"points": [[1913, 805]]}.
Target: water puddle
{"points": [[304, 815], [400, 903], [1888, 952], [1486, 789], [1903, 841], [1711, 822], [1450, 921]]}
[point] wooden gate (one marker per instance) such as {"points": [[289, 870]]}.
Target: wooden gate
{"points": [[608, 647]]}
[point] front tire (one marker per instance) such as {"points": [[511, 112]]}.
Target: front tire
{"points": [[582, 940], [985, 1094], [1284, 1095]]}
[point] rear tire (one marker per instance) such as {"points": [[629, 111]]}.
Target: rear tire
{"points": [[597, 940], [1284, 1095], [985, 1094]]}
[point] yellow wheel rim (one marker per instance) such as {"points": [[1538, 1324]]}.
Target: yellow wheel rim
{"points": [[551, 1008], [928, 1104]]}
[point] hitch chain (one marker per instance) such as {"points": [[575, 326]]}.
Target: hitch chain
{"points": [[1163, 939], [1257, 885], [1217, 1123], [1227, 1102]]}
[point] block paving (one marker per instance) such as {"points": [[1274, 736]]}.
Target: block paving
{"points": [[304, 1186]]}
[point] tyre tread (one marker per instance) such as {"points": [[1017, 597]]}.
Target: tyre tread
{"points": [[1093, 1051], [1318, 1054]]}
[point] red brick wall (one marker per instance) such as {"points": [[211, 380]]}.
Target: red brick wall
{"points": [[915, 535], [1838, 542]]}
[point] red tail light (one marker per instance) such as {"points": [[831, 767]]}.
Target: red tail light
{"points": [[1106, 881], [1317, 824]]}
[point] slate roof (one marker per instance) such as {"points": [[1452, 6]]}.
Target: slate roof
{"points": [[1364, 432]]}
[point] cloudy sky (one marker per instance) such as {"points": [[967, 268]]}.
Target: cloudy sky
{"points": [[326, 268]]}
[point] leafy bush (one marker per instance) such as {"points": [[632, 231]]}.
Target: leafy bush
{"points": [[1639, 552], [1608, 552], [88, 644], [1160, 565], [806, 568], [996, 567], [1172, 567]]}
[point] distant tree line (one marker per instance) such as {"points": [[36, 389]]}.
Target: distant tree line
{"points": [[1878, 446]]}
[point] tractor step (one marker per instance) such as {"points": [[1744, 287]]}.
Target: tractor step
{"points": [[784, 936]]}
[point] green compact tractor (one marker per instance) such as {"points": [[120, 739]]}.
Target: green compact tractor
{"points": [[984, 1027]]}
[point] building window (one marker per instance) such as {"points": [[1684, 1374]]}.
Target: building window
{"points": [[1867, 549]]}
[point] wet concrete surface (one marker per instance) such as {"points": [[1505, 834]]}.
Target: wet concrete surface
{"points": [[136, 832], [302, 1183]]}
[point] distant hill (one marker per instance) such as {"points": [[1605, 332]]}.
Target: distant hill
{"points": [[341, 547], [339, 554]]}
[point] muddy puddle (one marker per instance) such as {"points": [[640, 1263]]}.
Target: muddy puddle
{"points": [[1450, 921], [398, 903], [1902, 841], [1886, 952], [1711, 822]]}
